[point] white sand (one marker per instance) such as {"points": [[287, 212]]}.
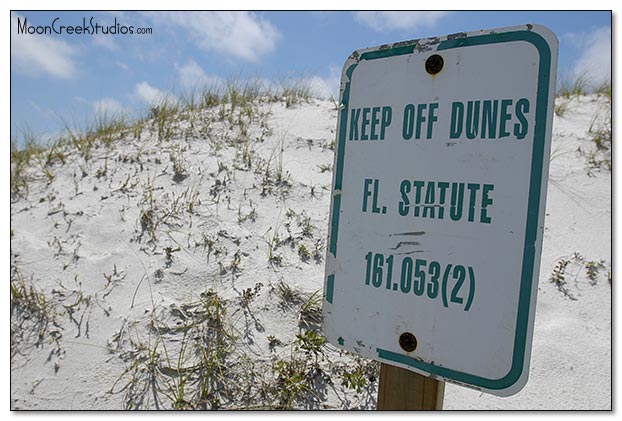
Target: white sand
{"points": [[83, 240]]}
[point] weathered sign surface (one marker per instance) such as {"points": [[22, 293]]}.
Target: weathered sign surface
{"points": [[438, 201]]}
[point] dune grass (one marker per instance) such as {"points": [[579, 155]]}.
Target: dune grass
{"points": [[236, 101], [598, 152], [578, 85], [33, 317]]}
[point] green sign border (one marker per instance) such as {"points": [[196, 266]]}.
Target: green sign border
{"points": [[533, 207]]}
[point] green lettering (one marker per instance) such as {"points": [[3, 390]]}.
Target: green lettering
{"points": [[486, 201], [404, 205], [473, 188], [457, 114], [354, 124], [364, 124], [409, 119], [431, 118], [418, 185], [366, 192], [386, 120], [374, 206], [442, 187], [489, 119], [520, 128], [457, 200], [420, 119], [505, 117], [472, 119], [429, 200], [374, 121]]}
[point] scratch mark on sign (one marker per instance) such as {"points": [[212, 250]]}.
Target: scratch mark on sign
{"points": [[405, 243], [408, 233]]}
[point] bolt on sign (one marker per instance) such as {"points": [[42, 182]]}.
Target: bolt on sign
{"points": [[438, 201]]}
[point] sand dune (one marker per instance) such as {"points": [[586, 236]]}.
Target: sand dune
{"points": [[179, 263]]}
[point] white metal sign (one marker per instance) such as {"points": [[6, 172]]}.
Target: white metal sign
{"points": [[438, 204]]}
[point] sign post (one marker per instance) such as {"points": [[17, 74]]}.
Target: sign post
{"points": [[437, 209], [401, 389]]}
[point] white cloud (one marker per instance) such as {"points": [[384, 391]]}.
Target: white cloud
{"points": [[325, 87], [239, 34], [148, 94], [37, 55], [105, 41], [595, 59], [108, 107], [386, 21], [192, 76]]}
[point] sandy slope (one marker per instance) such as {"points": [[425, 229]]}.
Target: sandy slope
{"points": [[129, 247], [571, 354]]}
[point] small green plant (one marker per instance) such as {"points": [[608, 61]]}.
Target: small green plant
{"points": [[291, 381], [289, 296], [359, 374], [296, 376], [274, 258], [177, 160], [274, 177], [575, 265], [249, 294], [307, 227], [168, 252], [77, 305], [251, 215], [235, 262], [112, 280], [593, 269], [558, 277], [354, 379], [273, 342], [149, 223], [303, 253], [311, 311], [325, 168]]}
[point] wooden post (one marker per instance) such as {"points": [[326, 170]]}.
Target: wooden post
{"points": [[404, 390]]}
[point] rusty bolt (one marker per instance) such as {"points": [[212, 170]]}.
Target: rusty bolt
{"points": [[434, 64], [408, 342]]}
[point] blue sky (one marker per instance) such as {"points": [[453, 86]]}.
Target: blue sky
{"points": [[71, 77]]}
